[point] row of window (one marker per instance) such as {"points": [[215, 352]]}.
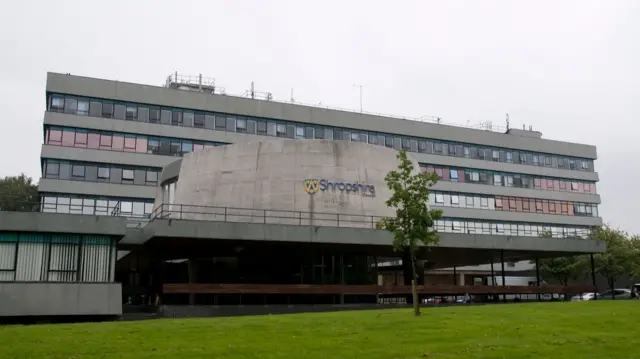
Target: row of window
{"points": [[467, 226], [92, 205], [100, 172], [30, 257], [512, 204], [288, 129], [494, 178], [114, 141]]}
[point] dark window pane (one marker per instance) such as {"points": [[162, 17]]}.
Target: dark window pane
{"points": [[52, 169], [143, 114], [70, 105], [95, 109], [154, 115], [107, 110], [187, 119], [77, 171], [119, 112], [209, 122], [198, 121], [221, 122]]}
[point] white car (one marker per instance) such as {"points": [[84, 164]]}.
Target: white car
{"points": [[583, 296]]}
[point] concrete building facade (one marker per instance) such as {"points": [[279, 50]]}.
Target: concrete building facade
{"points": [[146, 153], [107, 142]]}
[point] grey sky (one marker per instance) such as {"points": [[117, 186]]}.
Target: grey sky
{"points": [[568, 68]]}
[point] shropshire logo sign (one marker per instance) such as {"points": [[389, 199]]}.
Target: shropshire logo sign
{"points": [[312, 185]]}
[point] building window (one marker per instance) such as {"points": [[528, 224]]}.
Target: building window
{"points": [[455, 200], [439, 198], [131, 112], [83, 108], [495, 155], [77, 171], [509, 157], [497, 180], [103, 172], [453, 175], [127, 175], [152, 176], [469, 201], [52, 169], [241, 125], [484, 202], [57, 104], [198, 121]]}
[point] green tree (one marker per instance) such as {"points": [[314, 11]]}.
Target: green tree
{"points": [[413, 225], [19, 193], [562, 269], [617, 261]]}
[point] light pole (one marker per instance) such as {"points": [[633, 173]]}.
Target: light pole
{"points": [[360, 86]]}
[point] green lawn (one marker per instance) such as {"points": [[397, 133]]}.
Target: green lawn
{"points": [[604, 329]]}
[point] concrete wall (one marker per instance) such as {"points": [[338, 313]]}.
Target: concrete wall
{"points": [[96, 189], [55, 299], [62, 223], [145, 94], [271, 174]]}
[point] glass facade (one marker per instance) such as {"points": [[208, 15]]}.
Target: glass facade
{"points": [[505, 179], [503, 228], [96, 205], [100, 172], [290, 129], [123, 142], [512, 204]]}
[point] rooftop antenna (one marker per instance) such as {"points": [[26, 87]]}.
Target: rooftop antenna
{"points": [[530, 127], [507, 121], [523, 127], [292, 100], [253, 95]]}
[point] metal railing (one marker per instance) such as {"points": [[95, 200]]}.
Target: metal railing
{"points": [[320, 219], [263, 216]]}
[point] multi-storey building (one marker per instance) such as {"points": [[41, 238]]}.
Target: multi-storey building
{"points": [[105, 143], [285, 195]]}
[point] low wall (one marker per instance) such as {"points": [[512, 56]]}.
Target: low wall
{"points": [[193, 311], [58, 299]]}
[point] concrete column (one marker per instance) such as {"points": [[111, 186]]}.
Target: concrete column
{"points": [[193, 273], [461, 279]]}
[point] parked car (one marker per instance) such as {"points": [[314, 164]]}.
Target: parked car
{"points": [[583, 296], [617, 293]]}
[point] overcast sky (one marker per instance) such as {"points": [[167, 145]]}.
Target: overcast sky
{"points": [[571, 69]]}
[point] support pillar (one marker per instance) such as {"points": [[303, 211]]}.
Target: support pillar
{"points": [[192, 269], [461, 279], [538, 276], [593, 276], [342, 276], [455, 275], [504, 295]]}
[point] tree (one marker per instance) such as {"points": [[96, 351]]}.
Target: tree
{"points": [[562, 269], [413, 225], [618, 260], [19, 193]]}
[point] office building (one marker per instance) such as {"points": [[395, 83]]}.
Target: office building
{"points": [[114, 148]]}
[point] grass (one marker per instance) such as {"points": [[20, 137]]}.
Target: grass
{"points": [[604, 329]]}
